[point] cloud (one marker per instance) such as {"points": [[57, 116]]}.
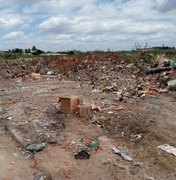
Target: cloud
{"points": [[166, 5], [57, 25], [91, 24], [54, 6], [14, 35], [10, 21]]}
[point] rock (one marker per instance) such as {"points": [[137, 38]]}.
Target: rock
{"points": [[172, 85], [33, 148]]}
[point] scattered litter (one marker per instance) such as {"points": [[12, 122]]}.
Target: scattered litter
{"points": [[168, 148], [110, 112], [94, 144], [33, 148], [137, 136], [93, 120], [50, 73], [172, 63], [38, 177], [159, 69], [122, 154], [96, 91], [96, 107], [82, 155], [97, 121], [122, 135], [9, 118], [149, 178]]}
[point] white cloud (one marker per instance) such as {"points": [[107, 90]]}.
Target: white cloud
{"points": [[14, 35], [8, 22], [54, 6], [57, 24], [90, 24]]}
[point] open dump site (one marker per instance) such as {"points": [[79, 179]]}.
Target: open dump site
{"points": [[92, 116]]}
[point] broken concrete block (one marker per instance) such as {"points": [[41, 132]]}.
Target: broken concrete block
{"points": [[172, 85], [85, 111], [68, 104]]}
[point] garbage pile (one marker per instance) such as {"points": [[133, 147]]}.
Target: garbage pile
{"points": [[126, 73], [112, 72]]}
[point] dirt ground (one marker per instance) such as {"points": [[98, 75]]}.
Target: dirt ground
{"points": [[13, 164], [27, 116]]}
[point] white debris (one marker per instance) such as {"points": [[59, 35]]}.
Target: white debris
{"points": [[168, 148], [122, 154]]}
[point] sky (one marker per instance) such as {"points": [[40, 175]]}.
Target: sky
{"points": [[56, 25]]}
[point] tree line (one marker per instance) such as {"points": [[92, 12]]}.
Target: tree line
{"points": [[33, 50]]}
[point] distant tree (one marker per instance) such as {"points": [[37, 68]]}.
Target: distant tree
{"points": [[34, 48], [17, 50], [26, 51], [71, 52], [38, 52]]}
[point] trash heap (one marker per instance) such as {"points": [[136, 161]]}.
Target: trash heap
{"points": [[130, 75], [124, 72]]}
